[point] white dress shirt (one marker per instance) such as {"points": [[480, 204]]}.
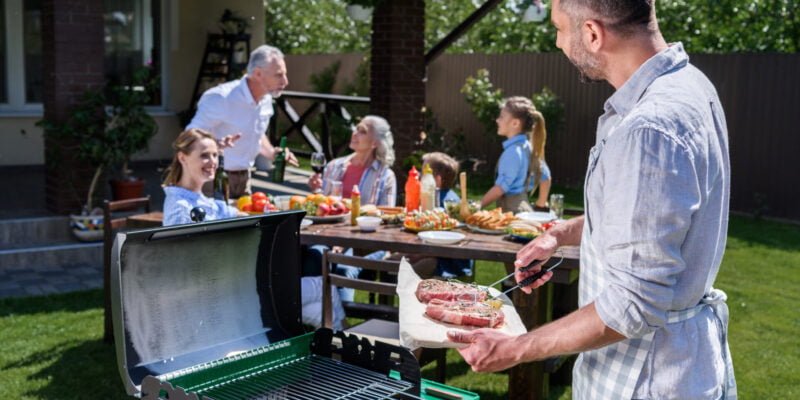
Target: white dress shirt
{"points": [[228, 109]]}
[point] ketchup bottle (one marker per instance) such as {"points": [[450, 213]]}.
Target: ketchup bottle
{"points": [[412, 190]]}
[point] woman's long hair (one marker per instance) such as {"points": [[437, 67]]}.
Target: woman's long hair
{"points": [[383, 134], [183, 144], [533, 124]]}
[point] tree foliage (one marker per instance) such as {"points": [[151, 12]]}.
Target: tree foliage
{"points": [[710, 26]]}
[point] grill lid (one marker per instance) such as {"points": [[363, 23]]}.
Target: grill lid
{"points": [[191, 294]]}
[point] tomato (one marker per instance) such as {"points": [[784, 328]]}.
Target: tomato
{"points": [[258, 205], [548, 225], [247, 207], [259, 196]]}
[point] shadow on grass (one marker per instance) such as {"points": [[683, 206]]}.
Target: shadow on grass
{"points": [[74, 370], [71, 302], [772, 234]]}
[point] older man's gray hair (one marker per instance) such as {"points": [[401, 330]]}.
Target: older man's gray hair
{"points": [[383, 133], [262, 56]]}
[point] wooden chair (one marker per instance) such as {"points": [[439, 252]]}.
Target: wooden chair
{"points": [[110, 226], [381, 320]]}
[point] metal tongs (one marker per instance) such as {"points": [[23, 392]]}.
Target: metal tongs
{"points": [[529, 280]]}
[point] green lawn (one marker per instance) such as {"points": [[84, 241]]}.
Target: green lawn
{"points": [[51, 347]]}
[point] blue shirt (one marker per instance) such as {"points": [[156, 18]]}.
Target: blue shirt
{"points": [[656, 201], [512, 168], [179, 203]]}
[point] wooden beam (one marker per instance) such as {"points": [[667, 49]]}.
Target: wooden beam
{"points": [[462, 28]]}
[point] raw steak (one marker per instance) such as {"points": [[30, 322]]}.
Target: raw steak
{"points": [[430, 289], [475, 314]]}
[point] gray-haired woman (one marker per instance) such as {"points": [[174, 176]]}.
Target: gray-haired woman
{"points": [[369, 166]]}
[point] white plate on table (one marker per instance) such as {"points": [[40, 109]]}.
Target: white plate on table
{"points": [[328, 218], [541, 217], [478, 229], [305, 222], [441, 237]]}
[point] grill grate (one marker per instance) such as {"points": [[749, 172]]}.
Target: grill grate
{"points": [[311, 377]]}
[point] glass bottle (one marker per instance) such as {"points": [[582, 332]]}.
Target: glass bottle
{"points": [[221, 189], [280, 163], [428, 192]]}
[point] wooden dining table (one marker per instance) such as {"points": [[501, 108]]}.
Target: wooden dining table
{"points": [[526, 381]]}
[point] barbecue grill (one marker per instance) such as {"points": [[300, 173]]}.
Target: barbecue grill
{"points": [[211, 311]]}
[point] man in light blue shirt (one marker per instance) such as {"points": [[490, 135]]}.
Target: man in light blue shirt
{"points": [[650, 324]]}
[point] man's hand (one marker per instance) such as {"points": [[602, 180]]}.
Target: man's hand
{"points": [[228, 141], [488, 350], [540, 248], [290, 158], [315, 182]]}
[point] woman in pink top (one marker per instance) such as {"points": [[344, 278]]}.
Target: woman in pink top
{"points": [[369, 166]]}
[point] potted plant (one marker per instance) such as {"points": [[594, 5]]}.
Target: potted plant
{"points": [[361, 10], [129, 129], [103, 133]]}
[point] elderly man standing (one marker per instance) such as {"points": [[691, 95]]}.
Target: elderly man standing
{"points": [[650, 325], [238, 114]]}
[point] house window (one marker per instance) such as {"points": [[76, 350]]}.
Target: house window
{"points": [[132, 40]]}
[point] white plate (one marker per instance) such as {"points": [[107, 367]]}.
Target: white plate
{"points": [[441, 237], [328, 218], [541, 217], [305, 222], [486, 231]]}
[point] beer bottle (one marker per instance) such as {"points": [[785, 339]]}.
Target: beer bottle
{"points": [[280, 163]]}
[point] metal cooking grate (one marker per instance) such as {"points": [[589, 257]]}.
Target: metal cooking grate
{"points": [[310, 377]]}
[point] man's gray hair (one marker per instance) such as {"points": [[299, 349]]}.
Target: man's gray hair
{"points": [[625, 17], [262, 56], [383, 134]]}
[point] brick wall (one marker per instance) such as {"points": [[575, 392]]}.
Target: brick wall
{"points": [[72, 44], [397, 88]]}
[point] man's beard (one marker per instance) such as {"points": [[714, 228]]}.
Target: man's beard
{"points": [[589, 70]]}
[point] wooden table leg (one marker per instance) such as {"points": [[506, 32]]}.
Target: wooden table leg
{"points": [[529, 381]]}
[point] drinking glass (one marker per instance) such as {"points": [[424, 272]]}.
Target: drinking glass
{"points": [[557, 204], [318, 164], [336, 190]]}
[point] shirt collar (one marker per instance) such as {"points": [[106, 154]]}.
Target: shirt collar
{"points": [[248, 96], [628, 95], [521, 138]]}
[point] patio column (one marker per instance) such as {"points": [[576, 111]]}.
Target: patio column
{"points": [[72, 48], [397, 88]]}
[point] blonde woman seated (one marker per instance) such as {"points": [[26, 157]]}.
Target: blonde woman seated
{"points": [[521, 166], [194, 163]]}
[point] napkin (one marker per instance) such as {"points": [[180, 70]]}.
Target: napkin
{"points": [[418, 330]]}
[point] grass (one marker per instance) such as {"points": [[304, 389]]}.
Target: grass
{"points": [[51, 346]]}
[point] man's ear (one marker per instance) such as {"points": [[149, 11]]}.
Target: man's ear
{"points": [[593, 34]]}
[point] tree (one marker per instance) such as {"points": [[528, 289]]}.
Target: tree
{"points": [[712, 26]]}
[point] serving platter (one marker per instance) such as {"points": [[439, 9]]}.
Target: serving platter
{"points": [[327, 218], [478, 229], [537, 216]]}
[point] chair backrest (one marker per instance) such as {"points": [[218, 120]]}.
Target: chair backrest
{"points": [[330, 278], [109, 227]]}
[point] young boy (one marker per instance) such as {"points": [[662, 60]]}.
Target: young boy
{"points": [[445, 169]]}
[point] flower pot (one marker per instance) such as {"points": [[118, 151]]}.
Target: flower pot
{"points": [[127, 189], [535, 13], [359, 12], [87, 228]]}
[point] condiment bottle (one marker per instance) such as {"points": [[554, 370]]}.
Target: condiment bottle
{"points": [[412, 190], [355, 204], [428, 192]]}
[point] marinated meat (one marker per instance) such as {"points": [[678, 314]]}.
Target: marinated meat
{"points": [[430, 289], [458, 313]]}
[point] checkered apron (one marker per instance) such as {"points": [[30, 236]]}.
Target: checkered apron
{"points": [[612, 372]]}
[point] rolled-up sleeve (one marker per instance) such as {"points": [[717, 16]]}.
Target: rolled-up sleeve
{"points": [[645, 215]]}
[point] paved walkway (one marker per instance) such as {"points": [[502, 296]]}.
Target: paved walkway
{"points": [[28, 202]]}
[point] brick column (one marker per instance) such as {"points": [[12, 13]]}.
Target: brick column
{"points": [[72, 44], [397, 90]]}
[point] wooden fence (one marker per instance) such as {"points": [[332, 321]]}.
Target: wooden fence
{"points": [[760, 94]]}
